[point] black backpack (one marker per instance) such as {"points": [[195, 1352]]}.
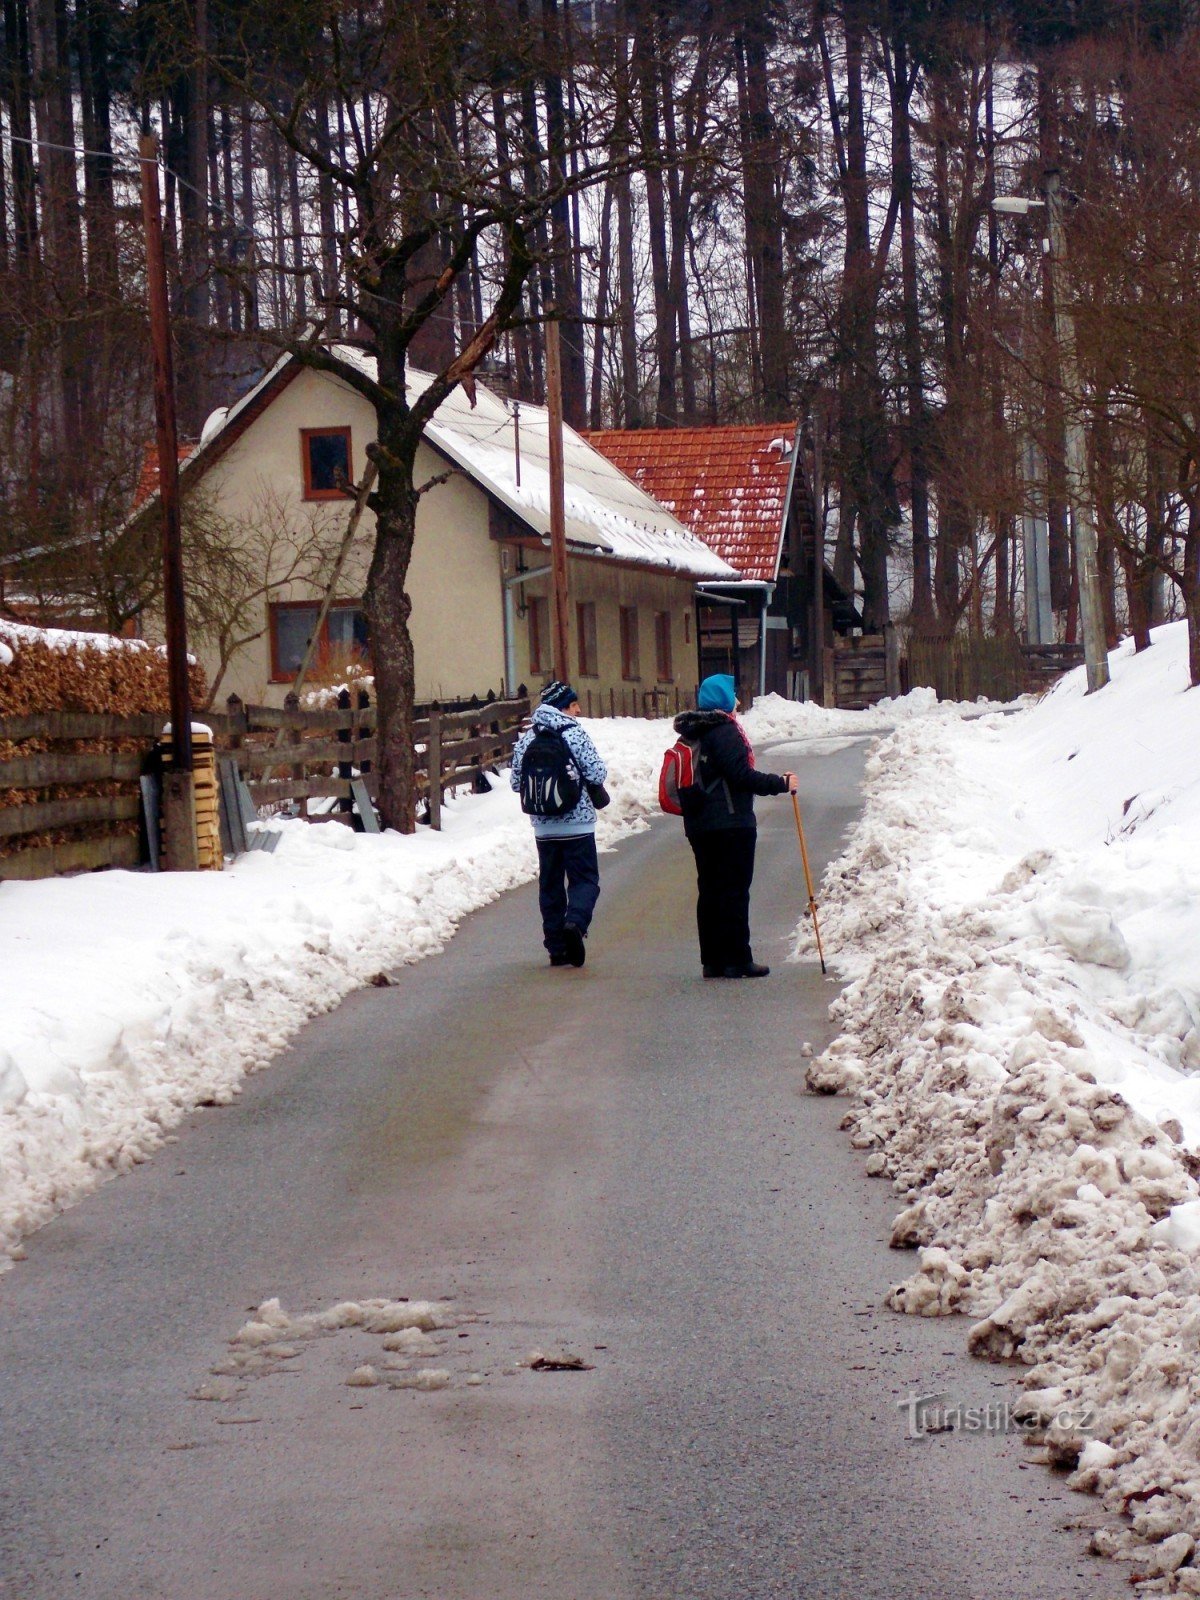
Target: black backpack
{"points": [[551, 784]]}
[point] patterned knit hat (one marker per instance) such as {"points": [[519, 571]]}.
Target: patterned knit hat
{"points": [[559, 695]]}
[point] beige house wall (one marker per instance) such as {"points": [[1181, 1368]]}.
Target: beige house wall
{"points": [[609, 588], [455, 582], [455, 571]]}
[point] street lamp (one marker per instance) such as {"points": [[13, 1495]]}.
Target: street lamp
{"points": [[1087, 566]]}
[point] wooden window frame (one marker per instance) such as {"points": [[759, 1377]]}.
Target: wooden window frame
{"points": [[274, 607], [587, 645], [663, 663], [631, 664], [538, 608], [306, 463]]}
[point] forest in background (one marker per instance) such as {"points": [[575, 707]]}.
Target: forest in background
{"points": [[739, 209]]}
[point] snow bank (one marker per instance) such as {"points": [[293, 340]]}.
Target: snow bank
{"points": [[1018, 916], [127, 999]]}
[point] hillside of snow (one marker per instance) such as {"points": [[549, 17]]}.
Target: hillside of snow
{"points": [[1018, 913]]}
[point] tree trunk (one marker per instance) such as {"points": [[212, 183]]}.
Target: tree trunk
{"points": [[388, 608], [901, 84], [1054, 448], [764, 228], [603, 269], [665, 322]]}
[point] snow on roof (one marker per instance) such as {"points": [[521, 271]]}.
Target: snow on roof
{"points": [[606, 512], [729, 485]]}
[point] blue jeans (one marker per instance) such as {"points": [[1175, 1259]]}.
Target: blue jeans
{"points": [[568, 886]]}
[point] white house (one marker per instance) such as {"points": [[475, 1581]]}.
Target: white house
{"points": [[478, 581]]}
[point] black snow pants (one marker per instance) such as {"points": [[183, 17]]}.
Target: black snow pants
{"points": [[724, 871]]}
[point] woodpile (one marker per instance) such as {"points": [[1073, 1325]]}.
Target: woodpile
{"points": [[53, 672]]}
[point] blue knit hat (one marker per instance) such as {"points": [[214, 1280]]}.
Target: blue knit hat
{"points": [[718, 693], [559, 695]]}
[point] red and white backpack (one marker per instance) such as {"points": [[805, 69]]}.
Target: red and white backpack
{"points": [[680, 770]]}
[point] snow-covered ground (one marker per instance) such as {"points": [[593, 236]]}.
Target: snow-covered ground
{"points": [[1018, 914]]}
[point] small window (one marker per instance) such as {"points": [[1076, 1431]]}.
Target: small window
{"points": [[325, 455], [687, 627], [342, 641], [662, 646], [539, 635], [585, 622], [629, 643]]}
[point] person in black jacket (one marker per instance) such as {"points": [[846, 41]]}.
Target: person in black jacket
{"points": [[718, 818]]}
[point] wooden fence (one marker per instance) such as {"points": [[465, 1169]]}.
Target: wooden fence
{"points": [[963, 666], [73, 784]]}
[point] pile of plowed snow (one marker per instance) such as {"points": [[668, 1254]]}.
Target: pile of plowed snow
{"points": [[1018, 916]]}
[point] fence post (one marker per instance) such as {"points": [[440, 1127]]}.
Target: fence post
{"points": [[612, 701], [292, 703], [891, 663], [433, 763], [239, 723], [345, 735]]}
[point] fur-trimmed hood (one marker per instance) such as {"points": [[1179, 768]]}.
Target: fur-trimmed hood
{"points": [[693, 724]]}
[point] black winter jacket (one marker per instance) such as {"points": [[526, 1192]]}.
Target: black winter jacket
{"points": [[728, 781]]}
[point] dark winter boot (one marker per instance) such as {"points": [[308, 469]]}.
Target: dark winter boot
{"points": [[752, 969], [558, 958], [573, 940]]}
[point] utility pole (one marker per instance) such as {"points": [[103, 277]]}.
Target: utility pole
{"points": [[179, 797], [558, 513], [1087, 565]]}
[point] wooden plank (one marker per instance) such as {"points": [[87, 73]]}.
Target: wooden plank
{"points": [[264, 719], [483, 715], [37, 817], [55, 766], [364, 806], [231, 808], [324, 753], [265, 794], [81, 855], [151, 798], [82, 725]]}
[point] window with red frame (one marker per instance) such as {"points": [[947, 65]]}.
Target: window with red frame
{"points": [[630, 666], [662, 646], [326, 459], [539, 635], [585, 627], [342, 640]]}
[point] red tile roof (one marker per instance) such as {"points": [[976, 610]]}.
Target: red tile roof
{"points": [[147, 483], [727, 484]]}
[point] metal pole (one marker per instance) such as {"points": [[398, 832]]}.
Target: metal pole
{"points": [[558, 513], [1091, 612], [179, 795]]}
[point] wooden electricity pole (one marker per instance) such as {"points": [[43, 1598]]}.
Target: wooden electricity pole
{"points": [[558, 513], [179, 799]]}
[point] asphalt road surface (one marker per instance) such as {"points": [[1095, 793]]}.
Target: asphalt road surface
{"points": [[615, 1164]]}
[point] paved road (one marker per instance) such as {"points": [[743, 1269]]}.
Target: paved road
{"points": [[614, 1163]]}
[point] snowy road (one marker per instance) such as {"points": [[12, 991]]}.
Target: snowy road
{"points": [[615, 1164]]}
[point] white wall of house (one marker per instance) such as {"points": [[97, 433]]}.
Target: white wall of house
{"points": [[455, 579]]}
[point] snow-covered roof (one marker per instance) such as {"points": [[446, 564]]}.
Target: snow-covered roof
{"points": [[607, 514]]}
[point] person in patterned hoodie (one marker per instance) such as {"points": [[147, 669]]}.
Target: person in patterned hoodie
{"points": [[569, 872]]}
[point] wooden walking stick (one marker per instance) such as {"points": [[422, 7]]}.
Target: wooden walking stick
{"points": [[812, 903]]}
